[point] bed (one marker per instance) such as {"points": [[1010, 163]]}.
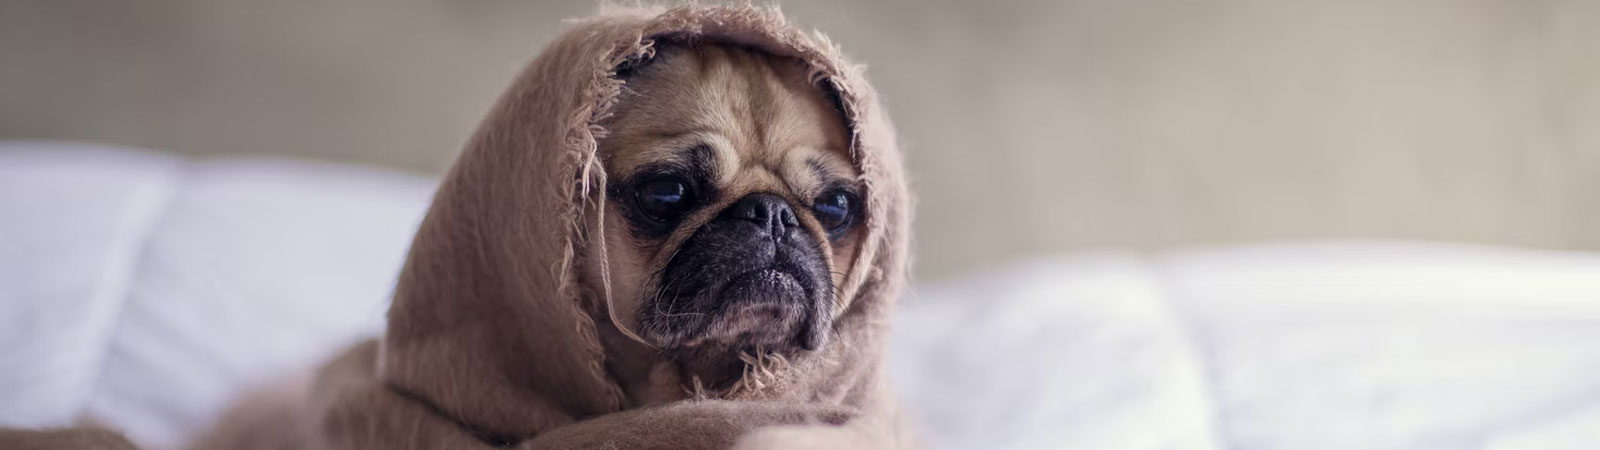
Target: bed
{"points": [[143, 290]]}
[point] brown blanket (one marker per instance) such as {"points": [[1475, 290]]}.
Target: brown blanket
{"points": [[497, 338]]}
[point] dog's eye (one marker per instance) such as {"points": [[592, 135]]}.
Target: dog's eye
{"points": [[833, 209], [663, 199]]}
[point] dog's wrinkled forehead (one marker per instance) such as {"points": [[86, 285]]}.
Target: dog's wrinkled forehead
{"points": [[752, 122]]}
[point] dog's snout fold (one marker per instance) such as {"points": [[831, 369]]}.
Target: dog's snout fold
{"points": [[768, 211]]}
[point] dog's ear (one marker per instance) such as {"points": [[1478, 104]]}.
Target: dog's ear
{"points": [[74, 438]]}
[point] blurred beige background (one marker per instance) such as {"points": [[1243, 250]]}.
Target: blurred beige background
{"points": [[1032, 126]]}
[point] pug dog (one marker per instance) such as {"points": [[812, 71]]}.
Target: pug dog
{"points": [[731, 172]]}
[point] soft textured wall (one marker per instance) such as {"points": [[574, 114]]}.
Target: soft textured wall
{"points": [[1033, 126]]}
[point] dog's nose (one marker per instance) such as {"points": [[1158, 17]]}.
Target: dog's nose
{"points": [[769, 211]]}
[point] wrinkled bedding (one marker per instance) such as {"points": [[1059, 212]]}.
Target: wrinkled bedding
{"points": [[143, 290]]}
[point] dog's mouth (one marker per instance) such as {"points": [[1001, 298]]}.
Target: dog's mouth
{"points": [[762, 310], [758, 309]]}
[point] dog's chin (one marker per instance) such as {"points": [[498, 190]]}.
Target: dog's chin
{"points": [[761, 311]]}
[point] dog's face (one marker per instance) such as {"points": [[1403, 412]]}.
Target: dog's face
{"points": [[731, 173]]}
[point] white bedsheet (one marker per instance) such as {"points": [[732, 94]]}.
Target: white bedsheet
{"points": [[144, 290]]}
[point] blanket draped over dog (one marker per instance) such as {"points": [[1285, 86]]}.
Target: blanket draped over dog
{"points": [[493, 328]]}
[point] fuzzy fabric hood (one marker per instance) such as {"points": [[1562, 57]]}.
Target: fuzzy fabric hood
{"points": [[492, 325]]}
